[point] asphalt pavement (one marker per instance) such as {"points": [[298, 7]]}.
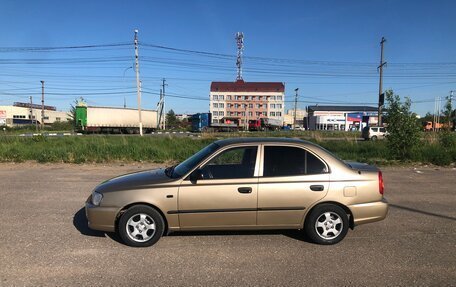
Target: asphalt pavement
{"points": [[44, 239]]}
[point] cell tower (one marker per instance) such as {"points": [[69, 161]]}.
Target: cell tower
{"points": [[240, 48]]}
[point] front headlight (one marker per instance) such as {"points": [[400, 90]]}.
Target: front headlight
{"points": [[96, 198]]}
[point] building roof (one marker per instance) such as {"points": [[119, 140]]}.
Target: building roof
{"points": [[341, 109], [241, 86]]}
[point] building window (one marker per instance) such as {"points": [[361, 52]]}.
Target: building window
{"points": [[244, 106], [221, 105], [264, 114], [258, 106], [258, 114], [253, 98], [215, 105], [215, 97], [260, 98], [278, 114], [238, 97], [228, 97], [215, 121], [279, 106], [243, 114], [273, 98], [272, 106], [250, 106], [272, 114], [236, 105], [221, 113], [215, 113], [279, 98], [250, 114], [222, 97]]}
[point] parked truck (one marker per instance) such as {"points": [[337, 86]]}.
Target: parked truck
{"points": [[265, 124], [202, 122], [92, 119], [430, 126]]}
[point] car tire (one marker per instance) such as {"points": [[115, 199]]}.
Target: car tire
{"points": [[326, 224], [373, 138], [141, 226]]}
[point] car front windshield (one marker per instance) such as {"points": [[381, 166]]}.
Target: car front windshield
{"points": [[191, 162]]}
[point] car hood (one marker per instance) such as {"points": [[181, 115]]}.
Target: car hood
{"points": [[137, 180]]}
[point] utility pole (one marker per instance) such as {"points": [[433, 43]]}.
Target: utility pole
{"points": [[31, 113], [450, 100], [163, 102], [295, 108], [138, 82], [42, 105], [381, 96]]}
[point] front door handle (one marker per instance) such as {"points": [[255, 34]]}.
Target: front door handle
{"points": [[245, 190], [317, 187]]}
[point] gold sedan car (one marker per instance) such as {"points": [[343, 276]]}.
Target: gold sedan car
{"points": [[242, 184]]}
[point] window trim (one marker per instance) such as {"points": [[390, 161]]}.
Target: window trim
{"points": [[222, 149], [261, 170]]}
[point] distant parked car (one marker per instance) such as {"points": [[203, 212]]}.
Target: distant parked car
{"points": [[242, 183], [374, 133]]}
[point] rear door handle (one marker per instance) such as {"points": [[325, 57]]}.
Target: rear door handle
{"points": [[245, 190], [317, 187]]}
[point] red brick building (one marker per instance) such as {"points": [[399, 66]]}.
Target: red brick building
{"points": [[247, 101]]}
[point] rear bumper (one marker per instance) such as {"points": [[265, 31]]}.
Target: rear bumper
{"points": [[101, 218], [369, 212]]}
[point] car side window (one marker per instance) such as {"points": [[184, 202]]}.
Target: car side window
{"points": [[382, 130], [289, 161], [232, 163], [375, 129]]}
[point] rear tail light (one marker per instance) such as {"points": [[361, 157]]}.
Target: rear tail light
{"points": [[381, 185]]}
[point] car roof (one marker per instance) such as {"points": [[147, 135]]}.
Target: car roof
{"points": [[230, 141]]}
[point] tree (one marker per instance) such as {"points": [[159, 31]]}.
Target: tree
{"points": [[171, 120], [448, 113], [403, 131]]}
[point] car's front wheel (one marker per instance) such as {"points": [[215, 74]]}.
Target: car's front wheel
{"points": [[141, 226], [327, 224]]}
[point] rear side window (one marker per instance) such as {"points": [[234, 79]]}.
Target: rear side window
{"points": [[382, 130], [289, 161], [375, 129]]}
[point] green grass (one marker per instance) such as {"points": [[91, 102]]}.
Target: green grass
{"points": [[98, 149], [105, 149]]}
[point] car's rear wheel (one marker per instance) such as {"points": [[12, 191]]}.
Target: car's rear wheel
{"points": [[141, 226], [327, 224], [373, 138]]}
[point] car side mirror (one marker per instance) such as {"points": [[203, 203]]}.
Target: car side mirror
{"points": [[196, 175]]}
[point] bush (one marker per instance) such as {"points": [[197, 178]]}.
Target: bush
{"points": [[404, 133]]}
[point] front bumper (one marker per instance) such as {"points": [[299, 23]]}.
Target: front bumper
{"points": [[101, 218], [369, 212]]}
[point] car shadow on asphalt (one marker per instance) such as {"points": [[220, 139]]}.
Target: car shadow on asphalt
{"points": [[294, 234], [421, 211]]}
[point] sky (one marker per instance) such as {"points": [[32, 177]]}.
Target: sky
{"points": [[330, 50]]}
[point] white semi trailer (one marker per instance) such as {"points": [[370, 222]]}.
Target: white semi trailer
{"points": [[114, 120]]}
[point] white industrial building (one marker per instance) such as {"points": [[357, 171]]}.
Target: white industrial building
{"points": [[26, 114], [342, 118]]}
